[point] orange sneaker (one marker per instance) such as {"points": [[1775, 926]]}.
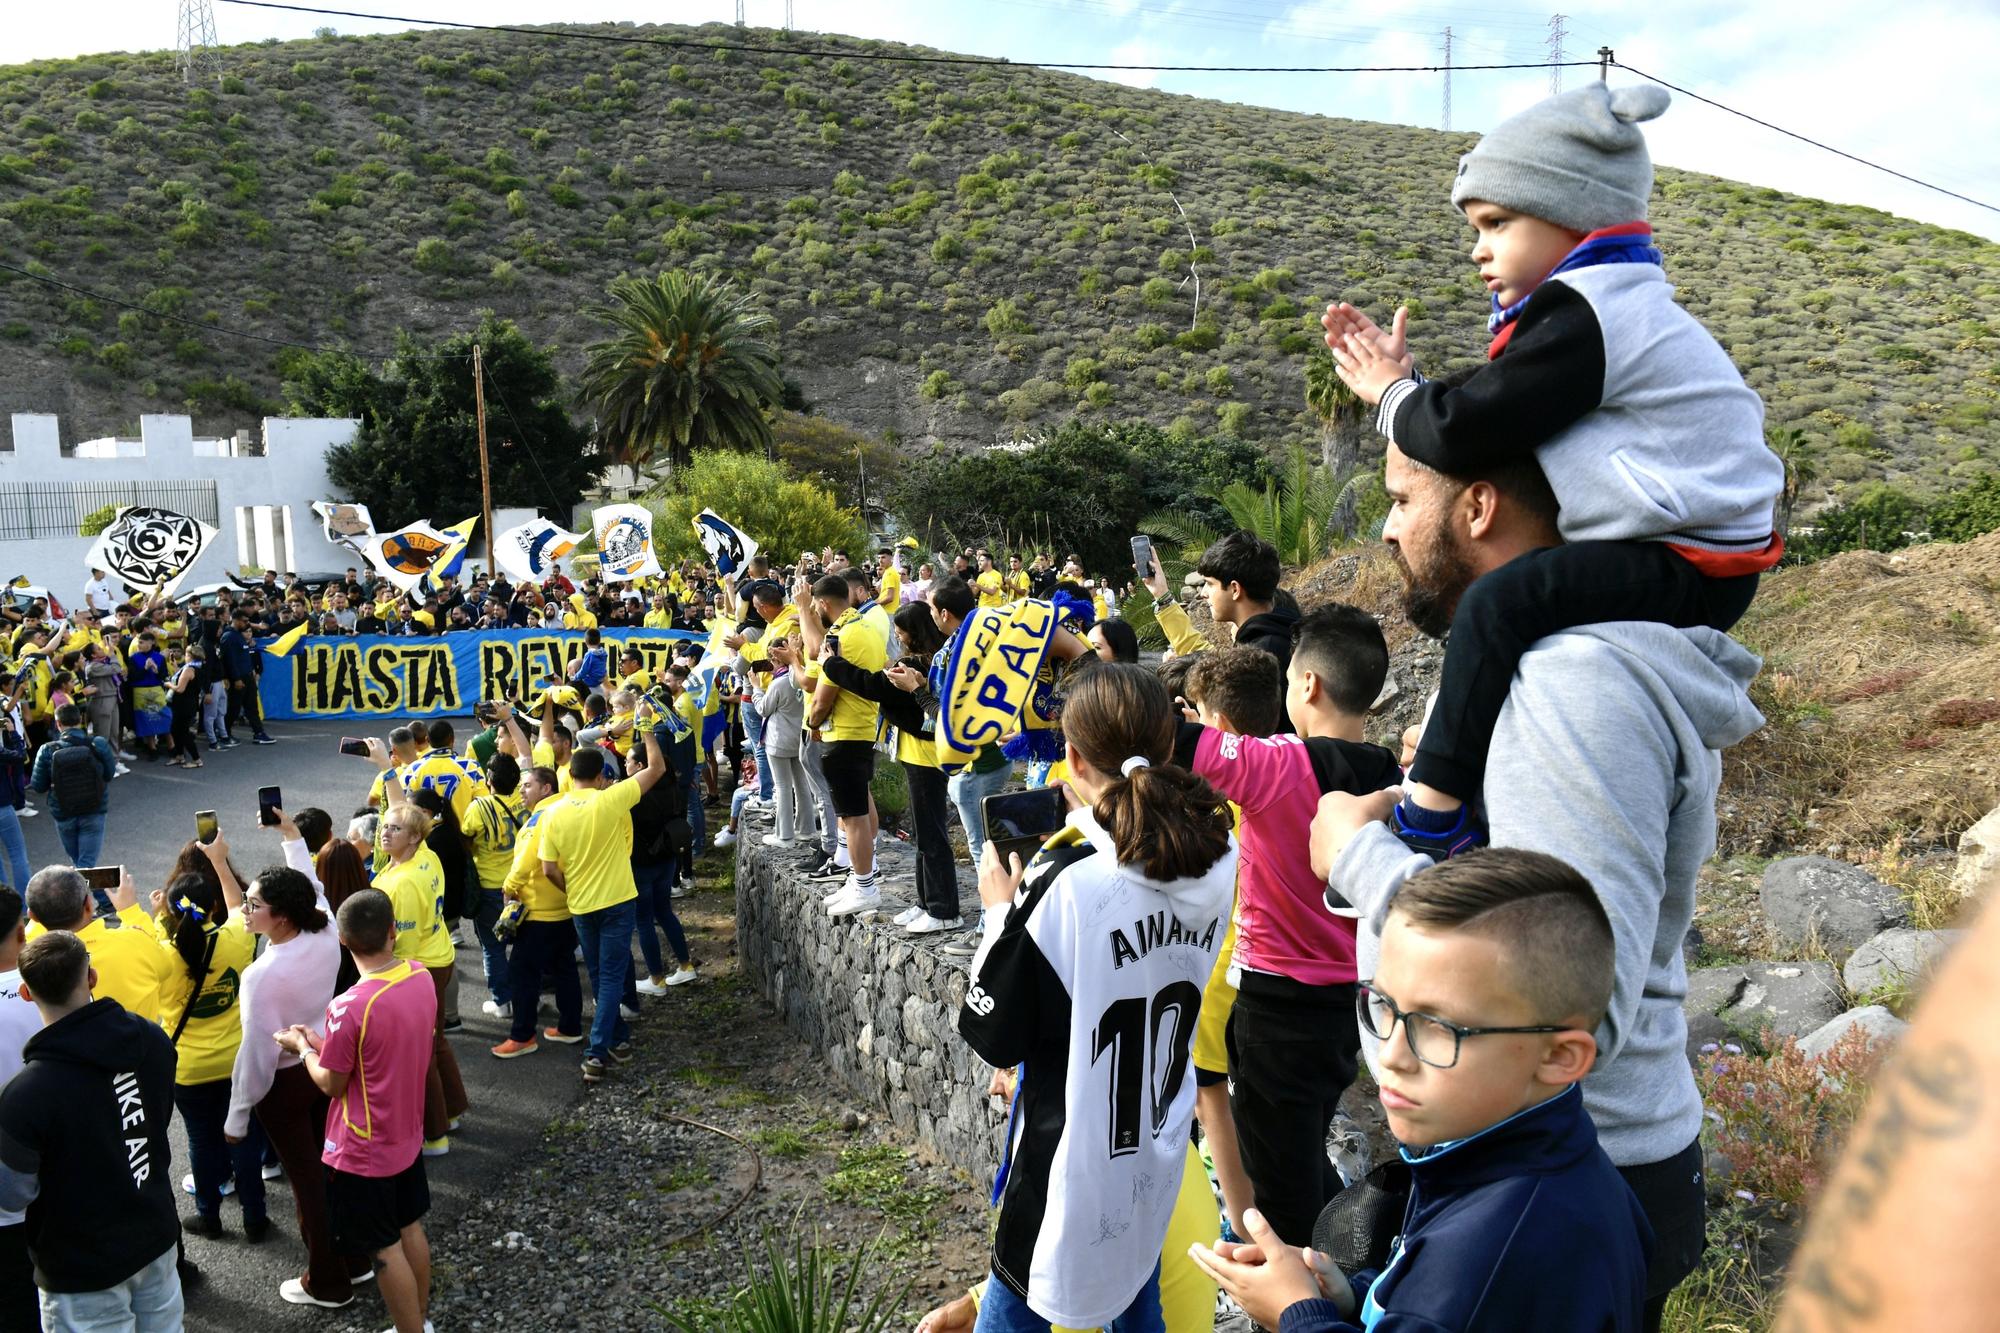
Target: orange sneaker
{"points": [[510, 1048], [554, 1035]]}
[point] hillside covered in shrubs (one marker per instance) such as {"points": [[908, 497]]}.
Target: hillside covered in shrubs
{"points": [[953, 252]]}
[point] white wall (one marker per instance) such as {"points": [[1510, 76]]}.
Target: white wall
{"points": [[288, 476]]}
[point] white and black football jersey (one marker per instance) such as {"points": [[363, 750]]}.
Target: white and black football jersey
{"points": [[1091, 980]]}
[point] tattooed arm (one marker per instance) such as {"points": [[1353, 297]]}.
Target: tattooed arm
{"points": [[1905, 1233]]}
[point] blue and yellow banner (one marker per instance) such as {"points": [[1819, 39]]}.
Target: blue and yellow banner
{"points": [[989, 677], [370, 675]]}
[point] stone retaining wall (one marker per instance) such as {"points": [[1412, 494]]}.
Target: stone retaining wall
{"points": [[879, 1005]]}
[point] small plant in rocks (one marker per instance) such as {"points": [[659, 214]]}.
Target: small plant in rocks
{"points": [[1779, 1119]]}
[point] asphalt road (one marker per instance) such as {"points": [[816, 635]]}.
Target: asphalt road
{"points": [[150, 819]]}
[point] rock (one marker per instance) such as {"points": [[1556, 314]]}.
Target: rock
{"points": [[1881, 1026], [1389, 692], [1840, 905], [1788, 999], [1979, 855], [1894, 956]]}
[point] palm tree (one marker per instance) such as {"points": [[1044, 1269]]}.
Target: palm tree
{"points": [[1342, 416], [689, 365], [1298, 512], [1796, 452]]}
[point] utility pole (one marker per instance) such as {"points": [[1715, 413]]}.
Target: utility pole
{"points": [[1556, 34], [1604, 59], [485, 467], [788, 15], [195, 41], [739, 13], [1447, 78]]}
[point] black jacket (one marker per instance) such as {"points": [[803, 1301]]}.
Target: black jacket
{"points": [[87, 1118], [1271, 631], [907, 711]]}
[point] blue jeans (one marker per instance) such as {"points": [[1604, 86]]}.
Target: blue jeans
{"points": [[147, 1302], [82, 838], [204, 1107], [656, 907], [696, 816], [606, 937], [968, 790], [17, 849], [753, 736], [492, 950], [544, 949], [1001, 1311]]}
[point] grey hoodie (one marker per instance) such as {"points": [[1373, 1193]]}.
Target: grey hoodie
{"points": [[1607, 755]]}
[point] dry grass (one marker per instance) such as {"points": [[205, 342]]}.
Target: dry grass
{"points": [[1924, 880], [1881, 682]]}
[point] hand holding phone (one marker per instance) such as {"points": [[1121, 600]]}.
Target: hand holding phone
{"points": [[205, 827], [354, 745], [1019, 822], [269, 801]]}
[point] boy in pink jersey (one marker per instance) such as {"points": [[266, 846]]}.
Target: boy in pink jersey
{"points": [[1293, 1041], [372, 1061]]}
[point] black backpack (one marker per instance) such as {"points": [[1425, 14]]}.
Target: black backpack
{"points": [[76, 779]]}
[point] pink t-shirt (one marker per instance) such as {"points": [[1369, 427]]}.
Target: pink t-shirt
{"points": [[379, 1034], [1282, 924]]}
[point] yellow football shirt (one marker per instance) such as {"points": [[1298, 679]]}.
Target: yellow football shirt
{"points": [[491, 824], [891, 594], [855, 718], [992, 588], [525, 880], [589, 835], [416, 894]]}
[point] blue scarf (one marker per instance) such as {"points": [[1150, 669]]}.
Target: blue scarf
{"points": [[1627, 243]]}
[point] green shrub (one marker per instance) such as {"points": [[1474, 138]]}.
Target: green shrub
{"points": [[1082, 372], [434, 255], [1220, 382], [938, 384], [1004, 317]]}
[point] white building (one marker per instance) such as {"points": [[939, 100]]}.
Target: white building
{"points": [[258, 495]]}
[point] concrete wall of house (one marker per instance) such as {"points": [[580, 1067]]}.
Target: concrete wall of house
{"points": [[262, 501]]}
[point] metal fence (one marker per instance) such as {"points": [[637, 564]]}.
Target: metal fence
{"points": [[30, 511]]}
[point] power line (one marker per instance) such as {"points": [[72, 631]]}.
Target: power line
{"points": [[1794, 134], [839, 54], [169, 316]]}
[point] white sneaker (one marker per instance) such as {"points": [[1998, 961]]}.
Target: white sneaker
{"points": [[652, 987], [120, 771], [838, 890], [127, 754], [27, 812], [627, 1012], [272, 1171], [847, 904], [908, 914], [187, 1185], [492, 1010], [773, 840], [726, 838], [683, 975], [681, 889], [294, 1292], [926, 924]]}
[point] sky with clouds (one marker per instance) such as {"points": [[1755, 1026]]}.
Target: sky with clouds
{"points": [[1909, 87]]}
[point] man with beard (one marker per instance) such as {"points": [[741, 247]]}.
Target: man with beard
{"points": [[1607, 755]]}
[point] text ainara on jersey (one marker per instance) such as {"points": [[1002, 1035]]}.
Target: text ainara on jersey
{"points": [[1153, 932]]}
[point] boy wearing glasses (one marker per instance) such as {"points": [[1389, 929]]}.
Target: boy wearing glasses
{"points": [[1495, 971]]}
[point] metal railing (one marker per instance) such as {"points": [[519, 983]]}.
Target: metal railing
{"points": [[33, 510]]}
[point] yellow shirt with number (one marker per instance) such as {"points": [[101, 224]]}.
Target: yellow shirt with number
{"points": [[525, 880], [855, 718], [457, 779], [589, 835], [416, 894], [491, 824]]}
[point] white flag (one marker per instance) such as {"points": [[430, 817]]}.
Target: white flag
{"points": [[345, 524], [729, 548], [403, 557], [624, 535], [150, 549], [525, 553]]}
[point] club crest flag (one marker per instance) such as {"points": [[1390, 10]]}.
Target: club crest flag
{"points": [[452, 558], [403, 557], [989, 677], [729, 550], [527, 552], [624, 535], [345, 524], [150, 549]]}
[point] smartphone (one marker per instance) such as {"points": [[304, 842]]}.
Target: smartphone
{"points": [[1019, 822], [354, 745], [483, 712], [205, 827], [1142, 556], [269, 802], [102, 880]]}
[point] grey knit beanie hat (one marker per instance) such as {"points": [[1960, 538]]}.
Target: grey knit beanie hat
{"points": [[1577, 159]]}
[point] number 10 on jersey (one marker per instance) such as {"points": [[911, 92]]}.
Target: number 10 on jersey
{"points": [[1148, 1044]]}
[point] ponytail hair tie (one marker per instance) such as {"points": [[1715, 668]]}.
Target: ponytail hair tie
{"points": [[1134, 764], [187, 908]]}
